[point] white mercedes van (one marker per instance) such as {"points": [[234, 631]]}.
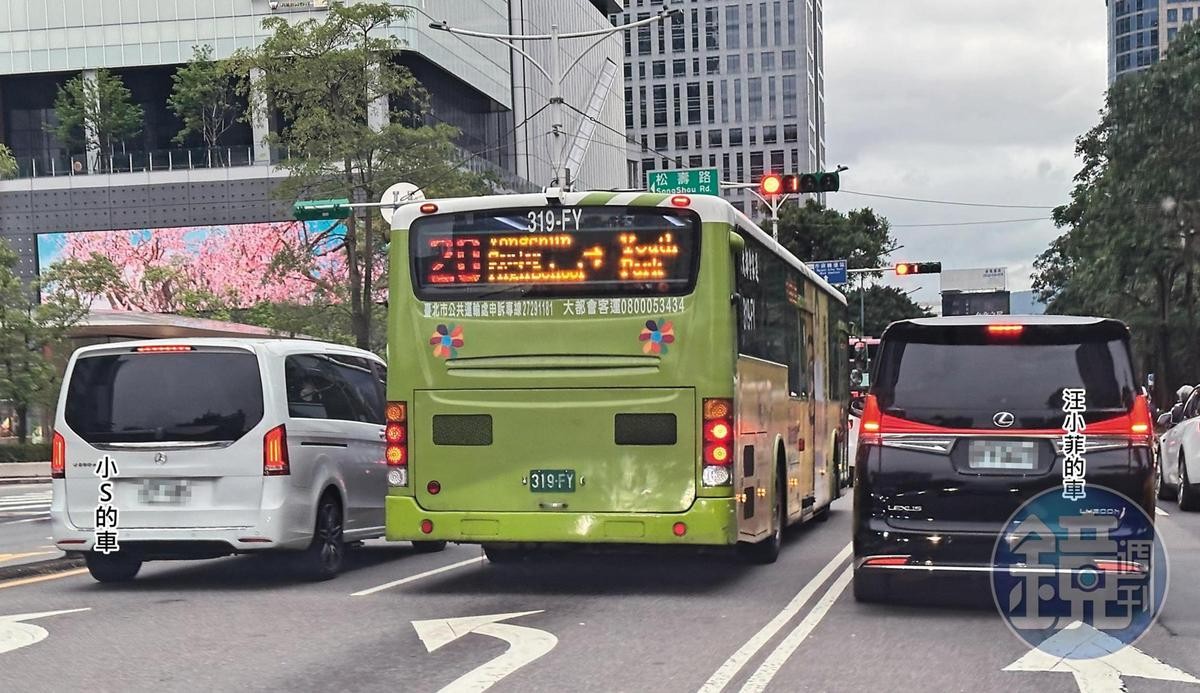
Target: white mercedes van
{"points": [[198, 448]]}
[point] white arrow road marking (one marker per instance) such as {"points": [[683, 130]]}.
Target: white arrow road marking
{"points": [[14, 634], [1160, 511], [717, 682], [776, 660], [1108, 660], [525, 645]]}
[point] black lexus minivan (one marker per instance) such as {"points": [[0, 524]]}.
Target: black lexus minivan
{"points": [[962, 425]]}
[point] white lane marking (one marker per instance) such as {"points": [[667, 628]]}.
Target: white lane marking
{"points": [[35, 506], [1096, 659], [525, 645], [14, 634], [28, 519], [1160, 511], [418, 576], [771, 666], [734, 664]]}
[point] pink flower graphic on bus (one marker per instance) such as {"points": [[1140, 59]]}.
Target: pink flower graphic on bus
{"points": [[657, 335], [446, 341]]}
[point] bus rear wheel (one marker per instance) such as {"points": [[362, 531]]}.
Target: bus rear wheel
{"points": [[767, 550]]}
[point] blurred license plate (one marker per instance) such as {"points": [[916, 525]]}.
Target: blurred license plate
{"points": [[552, 481], [166, 491], [1017, 455]]}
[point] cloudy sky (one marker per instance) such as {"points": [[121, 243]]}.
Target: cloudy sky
{"points": [[962, 101]]}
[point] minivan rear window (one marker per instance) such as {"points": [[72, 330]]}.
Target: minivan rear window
{"points": [[201, 396], [962, 376]]}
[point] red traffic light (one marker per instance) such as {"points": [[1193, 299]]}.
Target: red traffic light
{"points": [[905, 268], [771, 184]]}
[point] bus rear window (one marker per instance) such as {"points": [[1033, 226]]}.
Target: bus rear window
{"points": [[555, 252]]}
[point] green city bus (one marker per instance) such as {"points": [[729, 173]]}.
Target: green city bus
{"points": [[607, 368]]}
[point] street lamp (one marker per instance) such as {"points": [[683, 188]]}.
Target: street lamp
{"points": [[555, 73]]}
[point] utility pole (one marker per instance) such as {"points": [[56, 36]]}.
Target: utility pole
{"points": [[556, 72]]}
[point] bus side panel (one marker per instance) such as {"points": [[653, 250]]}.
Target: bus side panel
{"points": [[761, 406]]}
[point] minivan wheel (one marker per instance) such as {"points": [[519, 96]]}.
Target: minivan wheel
{"points": [[115, 567], [1189, 499], [767, 550], [1163, 490], [324, 557], [428, 546]]}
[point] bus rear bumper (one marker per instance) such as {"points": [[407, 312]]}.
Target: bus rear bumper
{"points": [[709, 522]]}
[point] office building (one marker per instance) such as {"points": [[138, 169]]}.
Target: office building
{"points": [[490, 93], [1140, 31], [738, 86]]}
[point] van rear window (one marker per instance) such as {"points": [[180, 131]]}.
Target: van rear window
{"points": [[961, 376], [201, 396]]}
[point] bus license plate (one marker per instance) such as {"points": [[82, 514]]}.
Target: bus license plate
{"points": [[552, 481]]}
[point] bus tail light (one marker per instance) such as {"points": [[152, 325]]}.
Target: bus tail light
{"points": [[275, 452], [58, 456], [717, 442], [396, 436]]}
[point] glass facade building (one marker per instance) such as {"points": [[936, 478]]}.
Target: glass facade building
{"points": [[1141, 31], [737, 86]]}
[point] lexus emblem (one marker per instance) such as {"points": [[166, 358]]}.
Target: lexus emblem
{"points": [[160, 458], [1004, 419]]}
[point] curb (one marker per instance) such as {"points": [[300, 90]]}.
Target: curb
{"points": [[50, 565]]}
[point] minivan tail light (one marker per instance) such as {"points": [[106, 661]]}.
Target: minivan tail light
{"points": [[396, 436], [871, 423], [275, 452], [164, 349], [717, 442], [58, 456], [1005, 330], [1140, 422]]}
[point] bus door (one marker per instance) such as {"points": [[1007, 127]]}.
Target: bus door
{"points": [[805, 413]]}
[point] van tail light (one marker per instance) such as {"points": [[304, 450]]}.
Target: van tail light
{"points": [[1005, 330], [1141, 426], [396, 436], [717, 443], [871, 423], [275, 452], [886, 561], [58, 456]]}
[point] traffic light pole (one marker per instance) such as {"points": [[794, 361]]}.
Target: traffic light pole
{"points": [[774, 203], [556, 73]]}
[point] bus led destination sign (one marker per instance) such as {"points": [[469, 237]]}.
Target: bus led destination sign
{"points": [[594, 251]]}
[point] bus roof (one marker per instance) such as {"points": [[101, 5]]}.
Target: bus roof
{"points": [[709, 207]]}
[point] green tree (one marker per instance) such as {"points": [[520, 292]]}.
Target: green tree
{"points": [[29, 333], [814, 232], [205, 96], [883, 306], [99, 110], [325, 76], [8, 163], [1129, 250]]}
